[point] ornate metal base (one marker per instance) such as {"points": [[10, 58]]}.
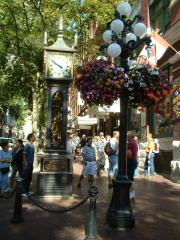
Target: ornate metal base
{"points": [[119, 214], [55, 177], [54, 184]]}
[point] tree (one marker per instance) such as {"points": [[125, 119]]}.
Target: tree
{"points": [[22, 27]]}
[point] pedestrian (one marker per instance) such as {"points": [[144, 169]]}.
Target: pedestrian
{"points": [[113, 158], [107, 138], [82, 143], [149, 162], [132, 155], [70, 145], [89, 162], [17, 161], [28, 160], [76, 139], [157, 155], [136, 172], [101, 155], [5, 160]]}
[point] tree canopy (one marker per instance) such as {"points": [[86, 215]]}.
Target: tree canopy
{"points": [[22, 27]]}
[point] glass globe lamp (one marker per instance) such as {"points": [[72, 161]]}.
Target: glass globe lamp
{"points": [[131, 37], [139, 29], [107, 35], [114, 50], [124, 9], [117, 26]]}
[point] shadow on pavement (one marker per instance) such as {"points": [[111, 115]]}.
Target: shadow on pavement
{"points": [[156, 211]]}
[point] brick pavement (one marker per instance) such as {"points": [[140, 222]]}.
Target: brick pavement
{"points": [[156, 211]]}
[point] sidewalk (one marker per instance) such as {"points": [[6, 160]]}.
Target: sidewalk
{"points": [[156, 211]]}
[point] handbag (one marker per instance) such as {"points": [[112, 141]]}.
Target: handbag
{"points": [[4, 170]]}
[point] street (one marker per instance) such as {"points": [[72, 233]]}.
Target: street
{"points": [[156, 210]]}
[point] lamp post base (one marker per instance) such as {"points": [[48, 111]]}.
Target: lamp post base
{"points": [[119, 214]]}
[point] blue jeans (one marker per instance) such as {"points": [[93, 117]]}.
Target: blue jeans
{"points": [[27, 177], [149, 164], [3, 181], [113, 165], [136, 172]]}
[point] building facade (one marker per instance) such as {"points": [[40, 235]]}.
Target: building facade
{"points": [[163, 120]]}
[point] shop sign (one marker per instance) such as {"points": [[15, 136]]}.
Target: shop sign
{"points": [[86, 121]]}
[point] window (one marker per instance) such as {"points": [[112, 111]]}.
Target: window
{"points": [[160, 15]]}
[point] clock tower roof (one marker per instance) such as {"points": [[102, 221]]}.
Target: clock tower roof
{"points": [[60, 45]]}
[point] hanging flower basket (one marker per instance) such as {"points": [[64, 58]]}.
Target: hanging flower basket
{"points": [[147, 85], [100, 82]]}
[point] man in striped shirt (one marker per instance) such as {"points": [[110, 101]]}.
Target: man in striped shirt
{"points": [[89, 162]]}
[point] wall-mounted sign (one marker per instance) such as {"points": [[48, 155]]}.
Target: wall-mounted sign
{"points": [[86, 121]]}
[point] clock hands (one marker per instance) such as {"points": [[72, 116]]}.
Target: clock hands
{"points": [[56, 63]]}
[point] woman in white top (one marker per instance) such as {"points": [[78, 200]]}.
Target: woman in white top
{"points": [[5, 160]]}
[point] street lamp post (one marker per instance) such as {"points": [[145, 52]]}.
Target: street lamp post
{"points": [[122, 38]]}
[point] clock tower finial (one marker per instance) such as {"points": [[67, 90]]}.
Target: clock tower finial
{"points": [[60, 32], [60, 45]]}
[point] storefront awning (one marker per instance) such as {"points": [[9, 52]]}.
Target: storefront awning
{"points": [[104, 110]]}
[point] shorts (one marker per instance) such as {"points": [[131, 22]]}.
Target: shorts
{"points": [[89, 169]]}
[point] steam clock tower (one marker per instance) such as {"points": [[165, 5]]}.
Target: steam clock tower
{"points": [[55, 177]]}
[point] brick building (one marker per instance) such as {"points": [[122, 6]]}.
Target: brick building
{"points": [[163, 120]]}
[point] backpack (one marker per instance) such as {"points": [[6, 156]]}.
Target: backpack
{"points": [[108, 149]]}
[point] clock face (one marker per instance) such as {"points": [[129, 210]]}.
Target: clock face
{"points": [[59, 65]]}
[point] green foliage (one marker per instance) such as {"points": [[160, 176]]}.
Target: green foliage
{"points": [[42, 109], [22, 27], [18, 109]]}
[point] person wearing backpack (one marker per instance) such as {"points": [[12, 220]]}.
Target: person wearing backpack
{"points": [[113, 157]]}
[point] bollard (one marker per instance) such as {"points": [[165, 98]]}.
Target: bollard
{"points": [[17, 217], [91, 229]]}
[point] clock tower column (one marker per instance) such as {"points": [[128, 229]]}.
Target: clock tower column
{"points": [[55, 176]]}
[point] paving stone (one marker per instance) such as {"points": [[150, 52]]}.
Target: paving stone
{"points": [[156, 210]]}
